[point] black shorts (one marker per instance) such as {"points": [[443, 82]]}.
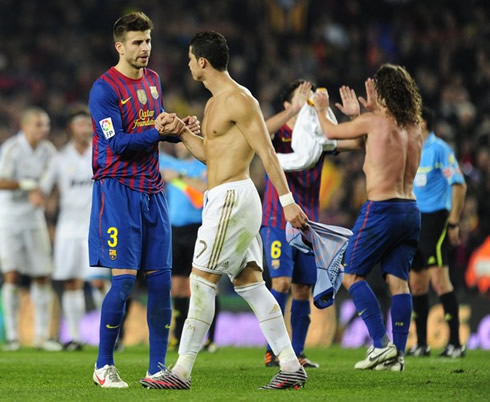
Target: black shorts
{"points": [[183, 241], [433, 243]]}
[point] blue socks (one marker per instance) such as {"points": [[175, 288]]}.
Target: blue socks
{"points": [[282, 299], [300, 321], [368, 308], [111, 316], [159, 316], [401, 313]]}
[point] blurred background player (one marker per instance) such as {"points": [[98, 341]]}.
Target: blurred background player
{"points": [[71, 172], [440, 189], [24, 240], [186, 183], [289, 268]]}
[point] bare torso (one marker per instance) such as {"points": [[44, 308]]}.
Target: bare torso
{"points": [[228, 154], [392, 159]]}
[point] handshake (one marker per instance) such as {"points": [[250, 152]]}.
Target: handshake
{"points": [[171, 124]]}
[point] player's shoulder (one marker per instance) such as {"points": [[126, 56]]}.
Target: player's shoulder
{"points": [[151, 73], [11, 145], [48, 146]]}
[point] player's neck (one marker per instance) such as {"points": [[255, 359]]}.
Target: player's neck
{"points": [[31, 141], [80, 147], [129, 71], [218, 82]]}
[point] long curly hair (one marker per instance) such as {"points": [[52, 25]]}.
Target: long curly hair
{"points": [[398, 91]]}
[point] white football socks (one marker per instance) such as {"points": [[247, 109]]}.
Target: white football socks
{"points": [[271, 322], [199, 318], [10, 301], [73, 302], [41, 297]]}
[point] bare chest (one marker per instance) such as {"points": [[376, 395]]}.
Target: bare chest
{"points": [[216, 121]]}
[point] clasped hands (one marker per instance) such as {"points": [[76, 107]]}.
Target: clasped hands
{"points": [[171, 124]]}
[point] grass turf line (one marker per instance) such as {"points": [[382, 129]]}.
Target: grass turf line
{"points": [[234, 374]]}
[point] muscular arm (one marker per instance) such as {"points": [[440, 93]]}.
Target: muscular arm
{"points": [[350, 145], [275, 122], [194, 143]]}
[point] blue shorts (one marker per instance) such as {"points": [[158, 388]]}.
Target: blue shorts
{"points": [[284, 260], [386, 232], [129, 229]]}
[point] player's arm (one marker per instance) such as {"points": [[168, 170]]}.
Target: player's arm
{"points": [[275, 122], [50, 177], [103, 105], [353, 129], [248, 117], [7, 175], [458, 194]]}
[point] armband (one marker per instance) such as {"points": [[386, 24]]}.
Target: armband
{"points": [[286, 199], [27, 185]]}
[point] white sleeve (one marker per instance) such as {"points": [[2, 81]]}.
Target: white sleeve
{"points": [[50, 177], [7, 162]]}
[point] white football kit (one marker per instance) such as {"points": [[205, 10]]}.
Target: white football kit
{"points": [[72, 173], [229, 236], [24, 239]]}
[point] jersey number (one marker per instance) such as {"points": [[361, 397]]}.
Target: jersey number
{"points": [[276, 249], [112, 232]]}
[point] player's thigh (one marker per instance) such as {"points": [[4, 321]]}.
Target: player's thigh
{"points": [[228, 237], [156, 250], [40, 262], [304, 272], [12, 251], [116, 227], [70, 257], [278, 253], [433, 242], [183, 244]]}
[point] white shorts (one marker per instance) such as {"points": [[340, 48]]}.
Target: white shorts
{"points": [[71, 260], [27, 252], [229, 236]]}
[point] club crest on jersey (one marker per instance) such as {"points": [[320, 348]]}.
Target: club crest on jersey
{"points": [[112, 254], [276, 264], [154, 92], [107, 128], [142, 96]]}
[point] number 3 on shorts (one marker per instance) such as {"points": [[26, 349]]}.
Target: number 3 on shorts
{"points": [[112, 232], [276, 249]]}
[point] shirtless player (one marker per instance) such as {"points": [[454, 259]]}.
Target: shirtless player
{"points": [[388, 226], [228, 241]]}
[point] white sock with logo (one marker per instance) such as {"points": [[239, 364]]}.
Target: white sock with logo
{"points": [[271, 322], [41, 297], [199, 318], [73, 302], [10, 301]]}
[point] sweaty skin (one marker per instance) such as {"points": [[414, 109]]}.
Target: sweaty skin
{"points": [[392, 152]]}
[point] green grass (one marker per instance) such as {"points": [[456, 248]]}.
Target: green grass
{"points": [[234, 375]]}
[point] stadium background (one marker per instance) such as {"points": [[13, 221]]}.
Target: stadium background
{"points": [[52, 51]]}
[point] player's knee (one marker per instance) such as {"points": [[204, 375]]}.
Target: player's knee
{"points": [[301, 291], [350, 279], [281, 284], [124, 285]]}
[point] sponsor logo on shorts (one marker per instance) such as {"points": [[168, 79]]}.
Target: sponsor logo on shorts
{"points": [[112, 254]]}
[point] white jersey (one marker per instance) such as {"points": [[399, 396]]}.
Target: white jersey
{"points": [[18, 161], [72, 173]]}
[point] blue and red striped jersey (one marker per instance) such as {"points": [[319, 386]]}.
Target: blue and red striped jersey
{"points": [[125, 142], [305, 186]]}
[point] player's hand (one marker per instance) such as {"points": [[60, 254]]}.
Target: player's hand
{"points": [[321, 101], [301, 95], [169, 124], [350, 105], [453, 234], [295, 216], [193, 124], [36, 198], [371, 103], [162, 120]]}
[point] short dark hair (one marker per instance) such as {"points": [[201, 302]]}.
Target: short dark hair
{"points": [[77, 110], [213, 47], [288, 91], [397, 90], [428, 115], [136, 21]]}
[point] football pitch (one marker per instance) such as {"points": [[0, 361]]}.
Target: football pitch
{"points": [[234, 374]]}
